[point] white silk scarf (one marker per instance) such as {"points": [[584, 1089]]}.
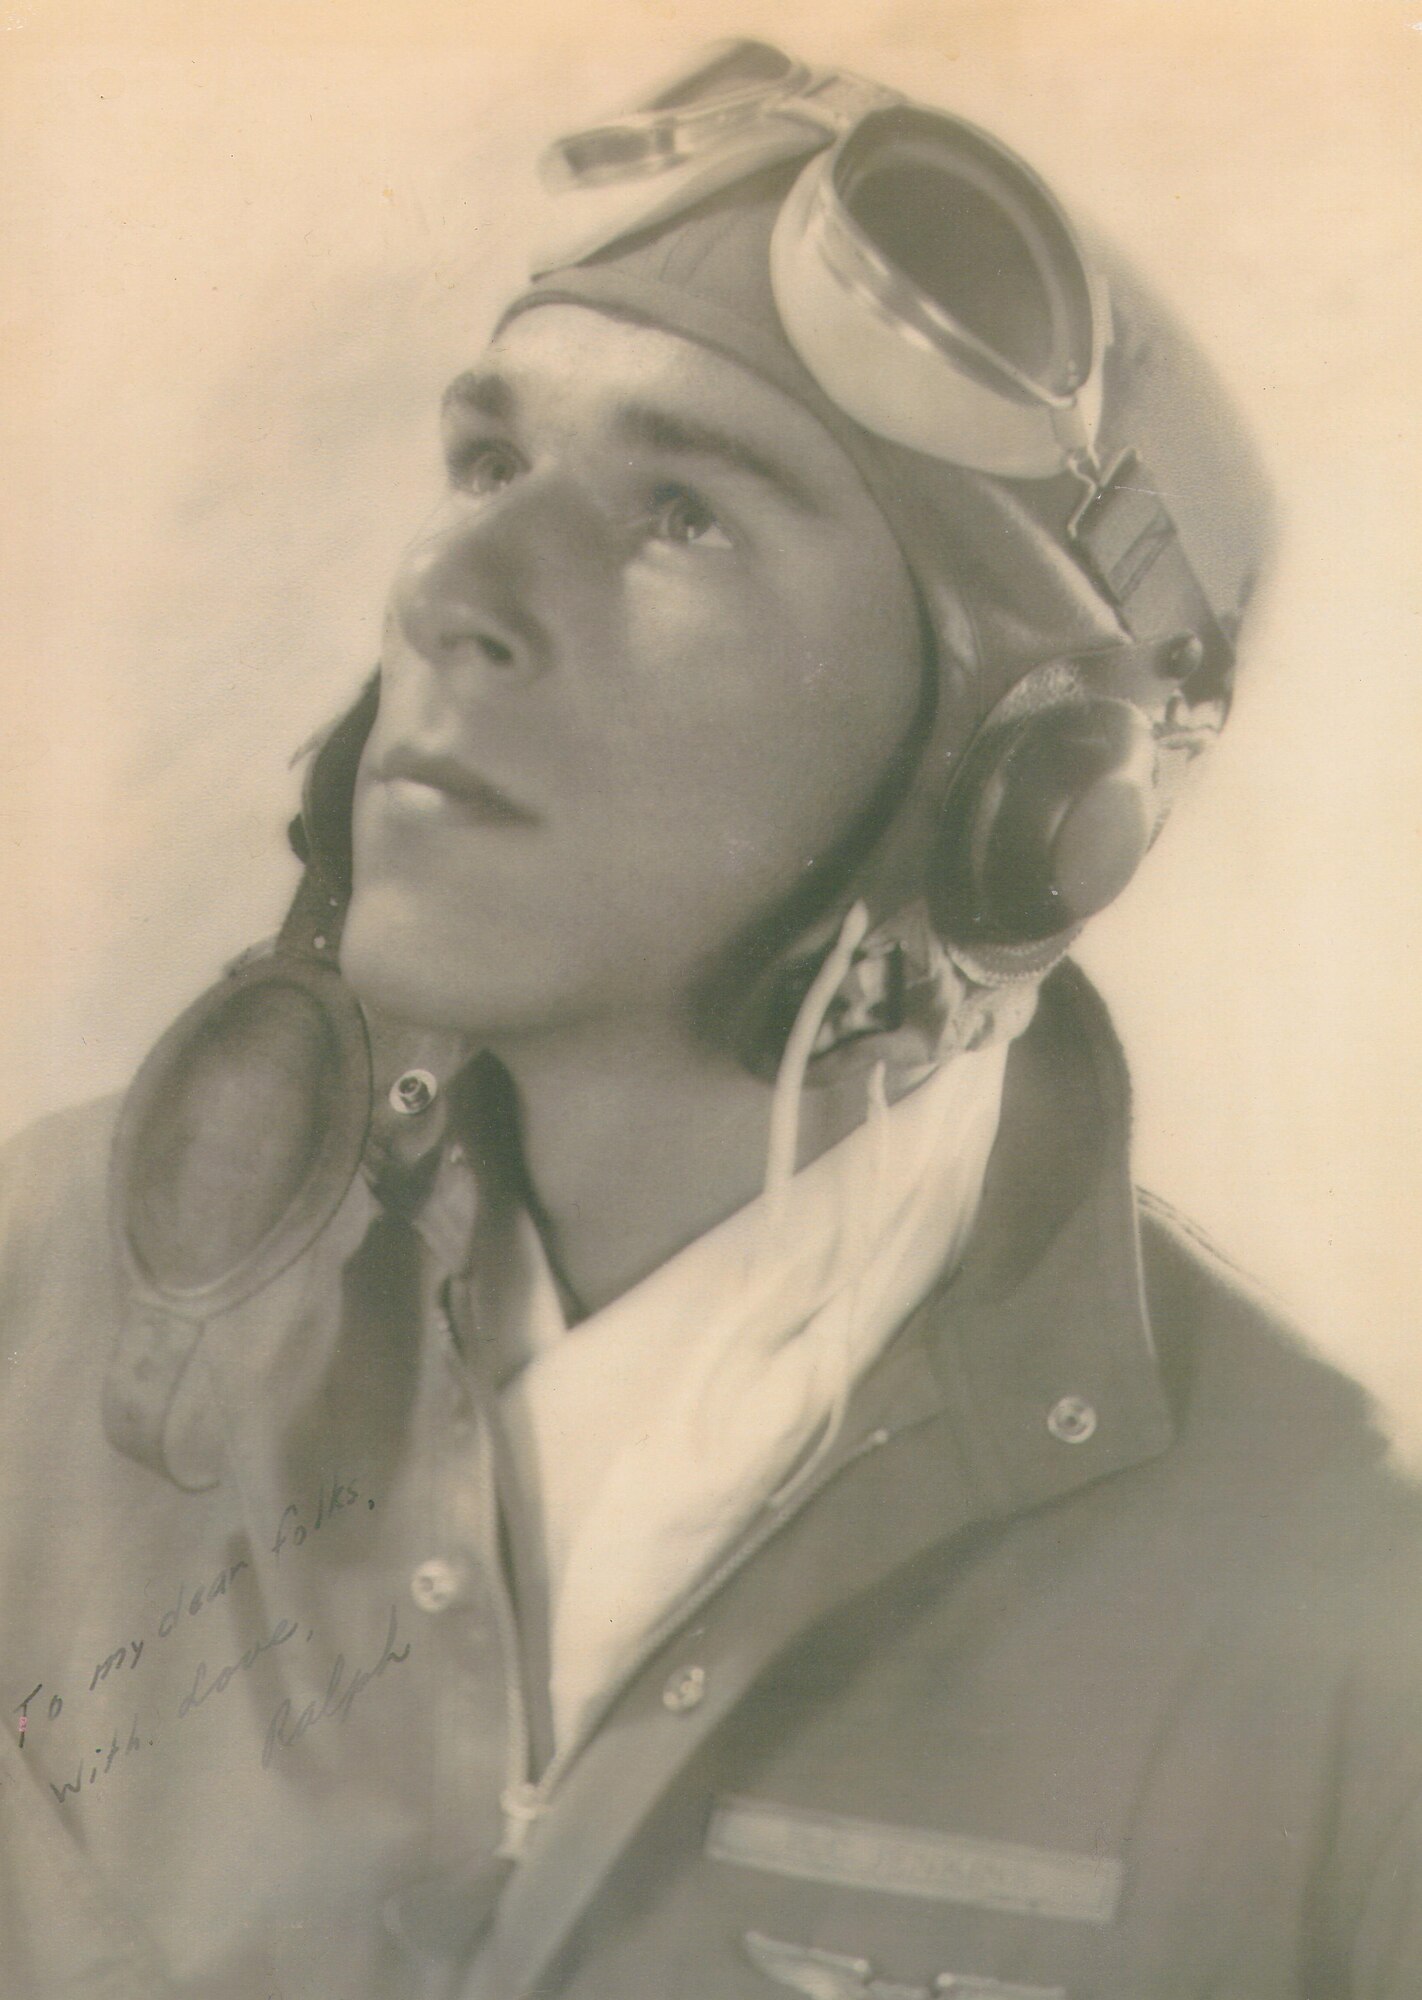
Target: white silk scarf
{"points": [[651, 1435]]}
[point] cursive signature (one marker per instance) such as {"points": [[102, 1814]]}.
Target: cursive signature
{"points": [[286, 1727]]}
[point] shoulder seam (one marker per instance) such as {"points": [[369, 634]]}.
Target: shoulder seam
{"points": [[1199, 1239]]}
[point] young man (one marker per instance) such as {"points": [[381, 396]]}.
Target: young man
{"points": [[625, 1432]]}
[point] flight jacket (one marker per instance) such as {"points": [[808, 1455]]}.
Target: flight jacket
{"points": [[1087, 1667]]}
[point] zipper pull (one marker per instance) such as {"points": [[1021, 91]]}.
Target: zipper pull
{"points": [[523, 1804]]}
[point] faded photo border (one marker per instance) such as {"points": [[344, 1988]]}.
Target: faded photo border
{"points": [[246, 247]]}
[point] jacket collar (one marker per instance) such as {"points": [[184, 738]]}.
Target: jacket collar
{"points": [[1042, 1342], [1036, 1355]]}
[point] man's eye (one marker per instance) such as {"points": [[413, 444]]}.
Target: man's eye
{"points": [[484, 468], [678, 515]]}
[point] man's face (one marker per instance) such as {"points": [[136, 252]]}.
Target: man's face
{"points": [[647, 660]]}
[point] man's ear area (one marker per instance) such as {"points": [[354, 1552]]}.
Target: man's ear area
{"points": [[906, 1002]]}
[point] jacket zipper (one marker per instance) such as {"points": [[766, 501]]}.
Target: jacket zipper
{"points": [[525, 1801]]}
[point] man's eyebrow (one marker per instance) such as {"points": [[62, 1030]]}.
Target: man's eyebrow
{"points": [[666, 430], [485, 392], [489, 394]]}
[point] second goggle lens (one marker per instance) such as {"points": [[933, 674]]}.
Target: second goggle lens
{"points": [[937, 292]]}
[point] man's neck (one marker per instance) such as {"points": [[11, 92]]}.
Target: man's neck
{"points": [[637, 1140]]}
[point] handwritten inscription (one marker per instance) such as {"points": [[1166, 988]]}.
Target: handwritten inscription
{"points": [[287, 1728], [199, 1599], [120, 1656], [287, 1725], [202, 1687], [133, 1649], [192, 1603], [70, 1788], [334, 1497]]}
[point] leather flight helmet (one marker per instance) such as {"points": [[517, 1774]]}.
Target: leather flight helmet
{"points": [[1080, 640]]}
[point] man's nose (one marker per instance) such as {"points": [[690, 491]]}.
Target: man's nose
{"points": [[479, 589]]}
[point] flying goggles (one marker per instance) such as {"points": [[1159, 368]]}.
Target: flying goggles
{"points": [[929, 281]]}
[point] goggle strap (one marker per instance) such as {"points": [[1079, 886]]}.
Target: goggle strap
{"points": [[1127, 540], [707, 105]]}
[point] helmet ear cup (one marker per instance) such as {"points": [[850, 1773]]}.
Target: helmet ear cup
{"points": [[1050, 815]]}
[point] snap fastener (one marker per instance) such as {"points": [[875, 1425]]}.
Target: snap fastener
{"points": [[685, 1689], [522, 1805], [435, 1584], [413, 1092], [1071, 1420]]}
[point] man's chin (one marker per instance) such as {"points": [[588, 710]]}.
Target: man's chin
{"points": [[402, 964], [387, 961]]}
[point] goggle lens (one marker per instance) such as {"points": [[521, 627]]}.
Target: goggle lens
{"points": [[977, 242]]}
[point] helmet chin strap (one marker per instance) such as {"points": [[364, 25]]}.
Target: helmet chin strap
{"points": [[790, 1079], [962, 1020], [780, 1169], [868, 1226]]}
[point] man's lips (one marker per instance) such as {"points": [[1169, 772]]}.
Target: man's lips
{"points": [[444, 774]]}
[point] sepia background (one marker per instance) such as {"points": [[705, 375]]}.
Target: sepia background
{"points": [[246, 246]]}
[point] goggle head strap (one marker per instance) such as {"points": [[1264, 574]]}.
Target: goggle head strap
{"points": [[1126, 539], [739, 107]]}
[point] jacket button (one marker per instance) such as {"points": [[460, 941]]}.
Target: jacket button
{"points": [[685, 1689], [1071, 1420], [413, 1092], [435, 1584]]}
